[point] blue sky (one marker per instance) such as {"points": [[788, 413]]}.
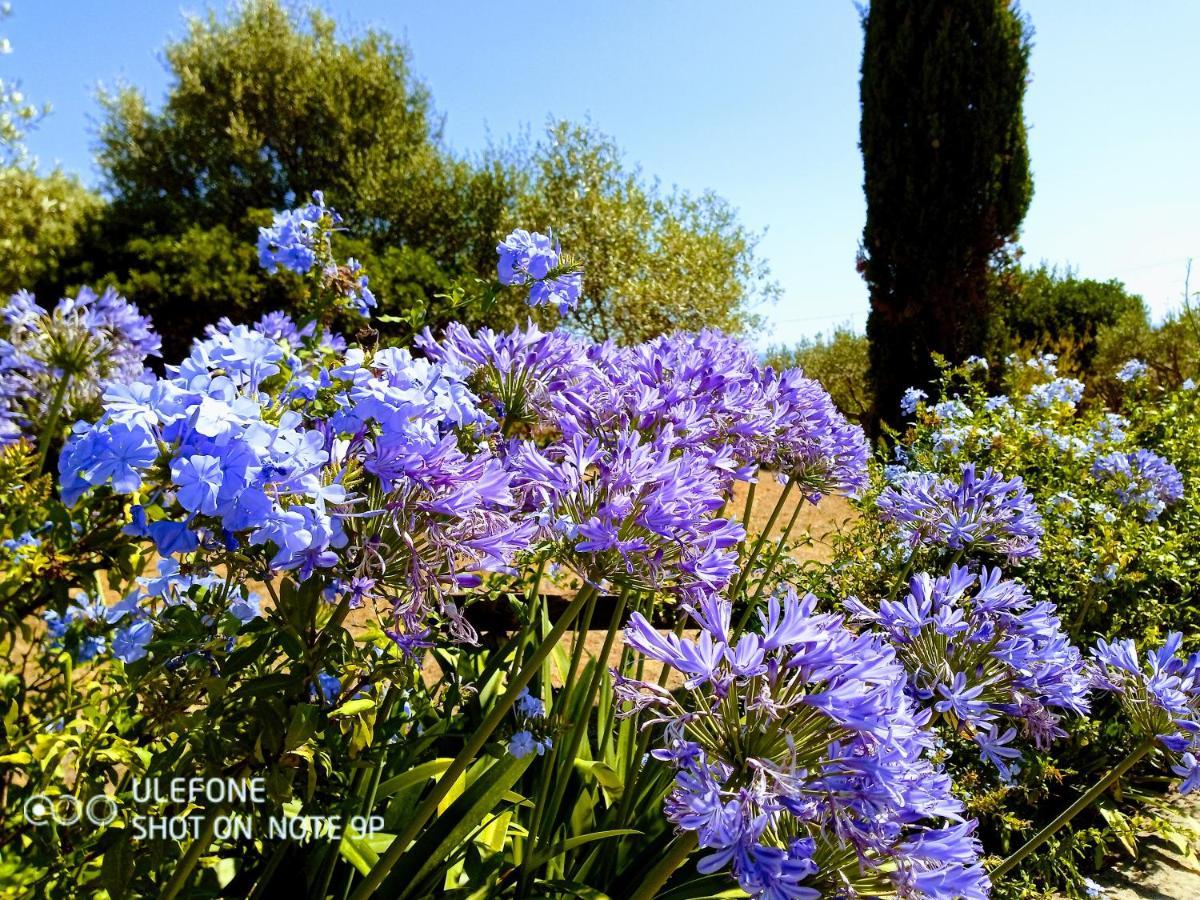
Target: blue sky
{"points": [[757, 102]]}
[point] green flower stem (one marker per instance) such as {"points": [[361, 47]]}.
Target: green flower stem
{"points": [[472, 747], [56, 407], [543, 795], [183, 873], [676, 855], [748, 564], [1073, 810], [770, 568]]}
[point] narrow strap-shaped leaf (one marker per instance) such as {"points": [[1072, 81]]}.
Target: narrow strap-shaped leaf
{"points": [[431, 769], [450, 830], [578, 841]]}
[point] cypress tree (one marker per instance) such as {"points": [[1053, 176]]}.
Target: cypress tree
{"points": [[947, 177]]}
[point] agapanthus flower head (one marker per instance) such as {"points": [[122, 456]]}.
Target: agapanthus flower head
{"points": [[983, 655], [534, 259], [800, 762], [1141, 479], [83, 344], [976, 512], [523, 376], [1160, 692], [634, 512]]}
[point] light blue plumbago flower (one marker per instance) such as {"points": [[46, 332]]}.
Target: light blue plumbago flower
{"points": [[983, 655], [1060, 391], [976, 512], [952, 410], [535, 259], [992, 404], [911, 399], [129, 644], [529, 737], [522, 743], [800, 763], [1141, 479], [1133, 370], [1160, 692]]}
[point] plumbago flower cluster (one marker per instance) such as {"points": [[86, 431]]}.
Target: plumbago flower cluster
{"points": [[982, 655], [1102, 478], [307, 460], [300, 240], [801, 764]]}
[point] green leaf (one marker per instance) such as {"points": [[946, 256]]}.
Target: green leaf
{"points": [[440, 840], [603, 774], [353, 707], [431, 769], [569, 844]]}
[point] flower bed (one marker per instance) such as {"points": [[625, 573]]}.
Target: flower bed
{"points": [[790, 744]]}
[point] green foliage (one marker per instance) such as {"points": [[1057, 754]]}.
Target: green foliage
{"points": [[652, 262], [1109, 572], [40, 222], [1044, 309], [946, 176], [271, 103], [839, 362]]}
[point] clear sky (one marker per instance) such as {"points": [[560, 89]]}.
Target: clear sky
{"points": [[757, 101]]}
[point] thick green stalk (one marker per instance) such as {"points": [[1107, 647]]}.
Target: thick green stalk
{"points": [[769, 569], [183, 873], [543, 795], [472, 747], [748, 563], [1073, 810], [56, 407], [675, 857]]}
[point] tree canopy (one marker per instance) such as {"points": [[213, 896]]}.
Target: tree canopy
{"points": [[946, 177], [270, 102]]}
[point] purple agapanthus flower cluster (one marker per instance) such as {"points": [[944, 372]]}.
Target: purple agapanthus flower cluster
{"points": [[530, 258], [1161, 695], [82, 344], [974, 512], [298, 240], [801, 764], [640, 445], [358, 467], [983, 655], [1140, 479]]}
